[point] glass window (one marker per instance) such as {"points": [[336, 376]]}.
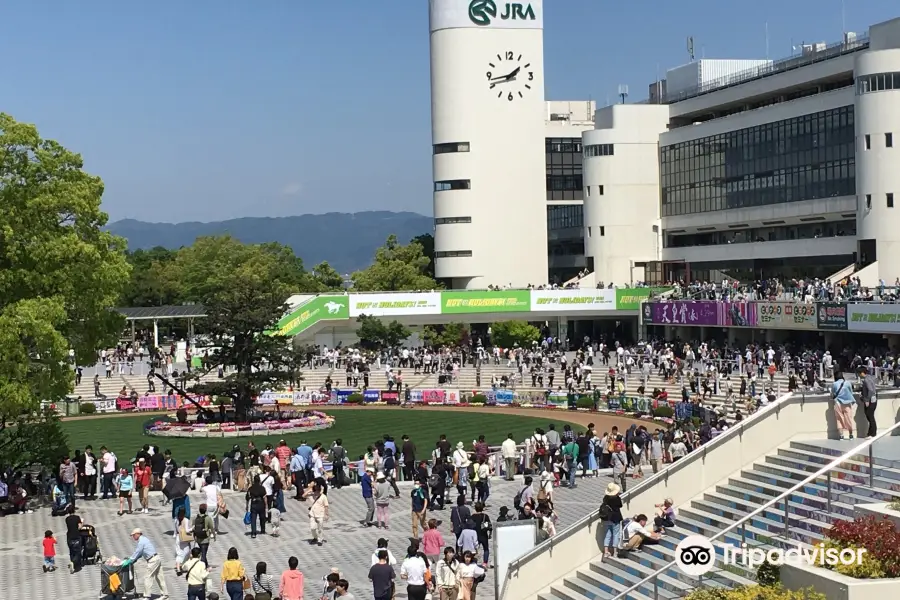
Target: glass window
{"points": [[452, 184], [889, 140], [454, 254], [890, 200], [595, 150], [451, 147], [812, 157], [452, 220]]}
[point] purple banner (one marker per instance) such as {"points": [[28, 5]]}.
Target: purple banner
{"points": [[701, 312]]}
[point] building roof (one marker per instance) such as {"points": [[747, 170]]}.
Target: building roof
{"points": [[146, 313]]}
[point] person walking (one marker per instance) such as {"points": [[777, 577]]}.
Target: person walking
{"points": [[196, 574], [184, 539], [413, 572], [291, 587], [146, 550], [233, 575], [124, 487], [446, 577], [368, 497], [318, 513], [419, 509], [68, 478], [73, 539], [869, 397], [382, 501], [262, 584], [204, 531], [142, 477], [844, 401], [256, 506]]}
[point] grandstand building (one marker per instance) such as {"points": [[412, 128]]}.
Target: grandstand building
{"points": [[750, 169]]}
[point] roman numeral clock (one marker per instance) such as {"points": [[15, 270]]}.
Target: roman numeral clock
{"points": [[509, 75]]}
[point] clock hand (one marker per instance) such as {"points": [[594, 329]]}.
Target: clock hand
{"points": [[512, 75]]}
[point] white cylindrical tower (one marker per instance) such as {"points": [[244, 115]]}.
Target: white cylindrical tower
{"points": [[487, 125], [877, 117]]}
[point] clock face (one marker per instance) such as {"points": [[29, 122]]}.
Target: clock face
{"points": [[509, 76]]}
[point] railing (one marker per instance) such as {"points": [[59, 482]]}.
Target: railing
{"points": [[774, 68], [737, 430], [789, 294], [785, 498], [352, 292]]}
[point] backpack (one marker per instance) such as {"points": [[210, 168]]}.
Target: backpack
{"points": [[517, 500], [539, 447], [200, 528], [434, 480]]}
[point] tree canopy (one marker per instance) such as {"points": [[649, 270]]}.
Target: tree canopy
{"points": [[396, 268], [507, 334], [451, 334], [60, 272], [374, 334]]}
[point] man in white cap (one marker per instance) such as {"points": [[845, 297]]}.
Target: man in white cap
{"points": [[146, 550]]}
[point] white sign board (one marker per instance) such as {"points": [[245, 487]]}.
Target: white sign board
{"points": [[397, 304], [485, 14]]}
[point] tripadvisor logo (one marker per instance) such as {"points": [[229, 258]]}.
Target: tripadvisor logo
{"points": [[483, 12]]}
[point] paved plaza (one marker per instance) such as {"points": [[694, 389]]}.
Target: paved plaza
{"points": [[349, 546]]}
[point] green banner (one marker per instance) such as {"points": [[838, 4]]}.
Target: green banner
{"points": [[320, 308], [631, 298], [463, 302]]}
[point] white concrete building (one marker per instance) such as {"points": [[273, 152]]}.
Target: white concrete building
{"points": [[773, 168], [488, 117], [565, 123]]}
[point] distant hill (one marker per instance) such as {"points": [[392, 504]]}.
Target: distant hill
{"points": [[347, 241]]}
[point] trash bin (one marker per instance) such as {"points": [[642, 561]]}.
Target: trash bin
{"points": [[116, 580]]}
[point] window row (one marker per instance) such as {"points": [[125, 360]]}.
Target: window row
{"points": [[452, 220], [792, 185], [762, 234], [761, 165], [565, 217], [889, 200], [452, 184], [599, 150], [879, 82], [888, 141], [564, 182], [454, 254], [451, 147], [562, 145]]}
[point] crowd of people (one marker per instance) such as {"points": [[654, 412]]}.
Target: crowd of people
{"points": [[847, 289]]}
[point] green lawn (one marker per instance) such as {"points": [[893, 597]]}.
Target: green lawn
{"points": [[357, 428]]}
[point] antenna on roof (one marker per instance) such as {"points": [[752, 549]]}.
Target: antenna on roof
{"points": [[623, 92], [767, 40], [690, 47]]}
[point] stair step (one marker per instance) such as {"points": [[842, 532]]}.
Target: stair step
{"points": [[822, 456], [840, 487]]}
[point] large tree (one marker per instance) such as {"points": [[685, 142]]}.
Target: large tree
{"points": [[150, 283], [507, 334], [244, 290], [396, 268], [326, 278], [426, 240], [60, 272], [374, 334]]}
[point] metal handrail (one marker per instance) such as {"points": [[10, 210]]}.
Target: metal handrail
{"points": [[785, 497], [735, 430], [352, 292]]}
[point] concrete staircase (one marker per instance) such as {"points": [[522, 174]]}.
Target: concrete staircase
{"points": [[314, 379], [808, 518]]}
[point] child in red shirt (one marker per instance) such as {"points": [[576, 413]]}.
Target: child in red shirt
{"points": [[49, 551]]}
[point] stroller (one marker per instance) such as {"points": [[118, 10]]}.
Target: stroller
{"points": [[90, 546], [61, 503]]}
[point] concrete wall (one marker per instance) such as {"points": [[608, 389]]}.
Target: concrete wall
{"points": [[794, 417]]}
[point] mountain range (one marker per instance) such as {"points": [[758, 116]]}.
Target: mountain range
{"points": [[346, 240]]}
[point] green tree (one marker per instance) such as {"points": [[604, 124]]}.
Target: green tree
{"points": [[374, 334], [209, 265], [507, 334], [60, 272], [426, 240], [33, 439], [326, 278], [451, 334], [150, 283], [239, 316], [396, 268]]}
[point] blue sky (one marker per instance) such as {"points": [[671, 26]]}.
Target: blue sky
{"points": [[207, 110]]}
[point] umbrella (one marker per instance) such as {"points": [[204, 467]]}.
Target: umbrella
{"points": [[176, 487]]}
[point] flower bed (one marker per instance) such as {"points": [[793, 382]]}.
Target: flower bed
{"points": [[313, 421]]}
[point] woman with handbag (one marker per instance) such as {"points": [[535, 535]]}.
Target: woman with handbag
{"points": [[184, 539], [262, 583], [234, 578]]}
